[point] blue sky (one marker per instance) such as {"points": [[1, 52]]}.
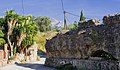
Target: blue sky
{"points": [[53, 9]]}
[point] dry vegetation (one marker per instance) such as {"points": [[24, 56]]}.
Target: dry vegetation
{"points": [[41, 39]]}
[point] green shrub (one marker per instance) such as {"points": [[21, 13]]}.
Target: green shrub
{"points": [[11, 58]]}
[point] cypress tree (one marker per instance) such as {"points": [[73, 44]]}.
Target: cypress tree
{"points": [[82, 18]]}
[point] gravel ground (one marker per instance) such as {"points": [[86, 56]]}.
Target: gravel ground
{"points": [[28, 66]]}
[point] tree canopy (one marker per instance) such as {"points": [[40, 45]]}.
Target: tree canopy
{"points": [[17, 31], [44, 23]]}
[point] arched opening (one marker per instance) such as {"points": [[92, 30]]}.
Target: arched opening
{"points": [[103, 54]]}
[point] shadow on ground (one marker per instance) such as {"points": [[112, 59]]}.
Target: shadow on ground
{"points": [[39, 65], [42, 54], [35, 66]]}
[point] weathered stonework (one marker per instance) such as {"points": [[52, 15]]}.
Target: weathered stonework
{"points": [[111, 19], [82, 64], [81, 44], [88, 24], [86, 41]]}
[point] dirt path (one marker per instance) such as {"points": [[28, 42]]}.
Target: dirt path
{"points": [[28, 66]]}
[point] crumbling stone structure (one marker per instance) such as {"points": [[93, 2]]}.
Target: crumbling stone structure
{"points": [[88, 24], [88, 41], [111, 19]]}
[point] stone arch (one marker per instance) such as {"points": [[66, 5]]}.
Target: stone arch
{"points": [[103, 54]]}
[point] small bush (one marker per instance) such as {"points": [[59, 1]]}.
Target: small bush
{"points": [[11, 58]]}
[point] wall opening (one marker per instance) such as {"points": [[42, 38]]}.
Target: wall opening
{"points": [[103, 54]]}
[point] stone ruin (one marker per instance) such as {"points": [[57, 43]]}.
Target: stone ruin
{"points": [[91, 46], [111, 19]]}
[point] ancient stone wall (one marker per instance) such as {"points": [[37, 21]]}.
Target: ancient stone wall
{"points": [[86, 40], [82, 64], [82, 43], [88, 24], [111, 19]]}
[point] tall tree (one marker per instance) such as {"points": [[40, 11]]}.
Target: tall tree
{"points": [[25, 32], [11, 20], [44, 23], [18, 31], [82, 18], [2, 38]]}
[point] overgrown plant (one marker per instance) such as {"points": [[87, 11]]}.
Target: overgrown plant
{"points": [[17, 31]]}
